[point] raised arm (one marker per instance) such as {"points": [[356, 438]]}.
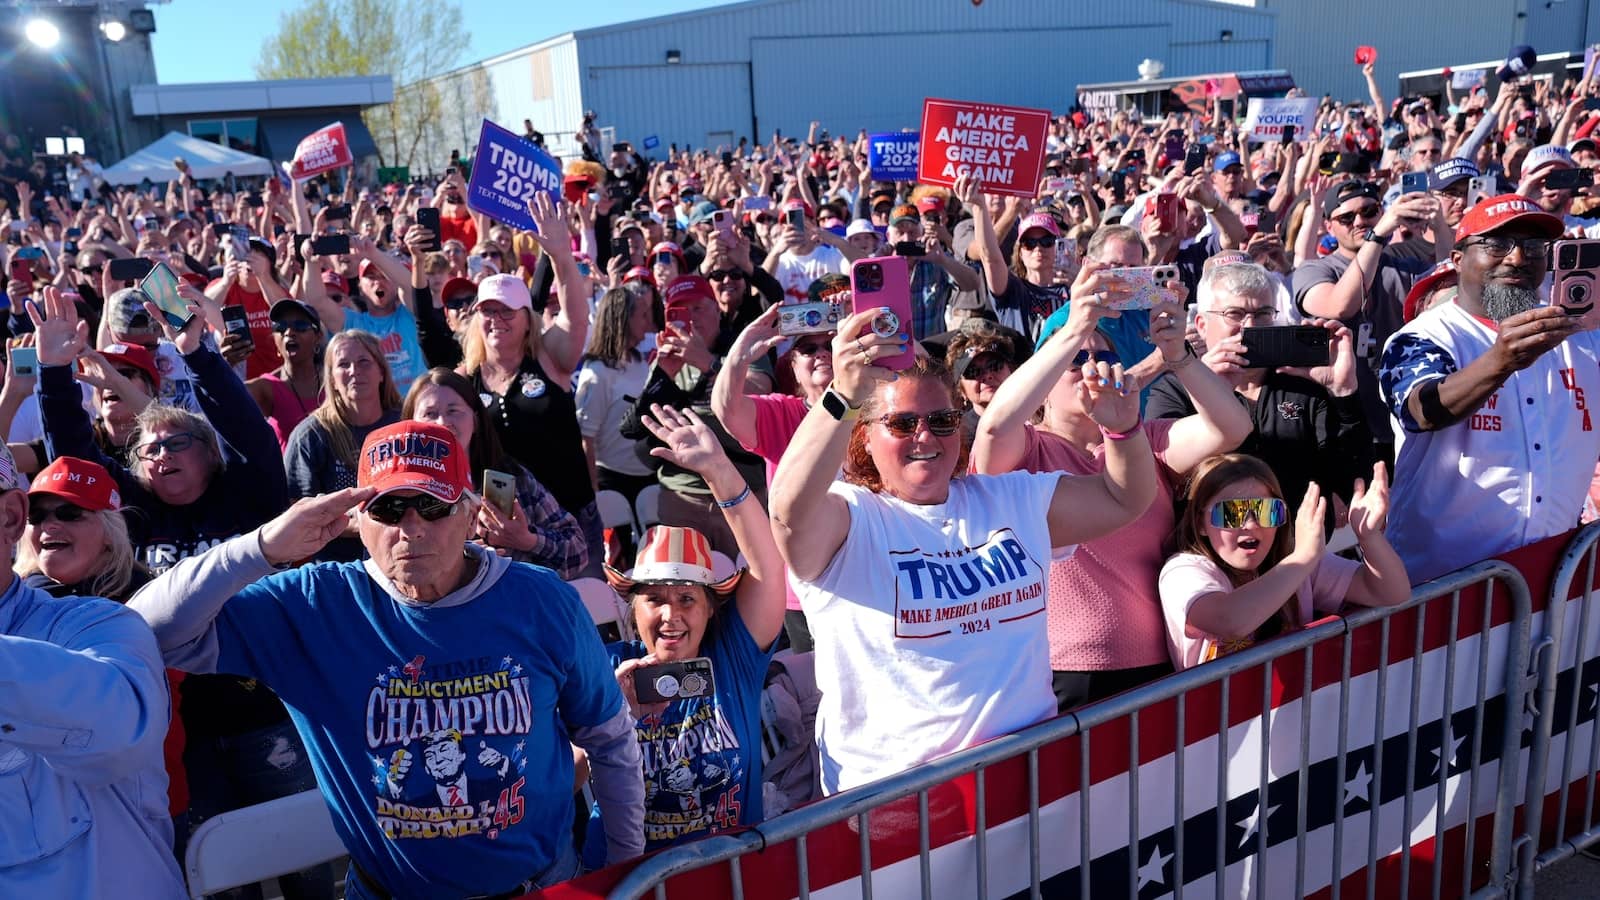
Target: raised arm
{"points": [[688, 442], [1093, 506], [808, 522], [729, 403], [564, 339], [985, 237], [314, 293]]}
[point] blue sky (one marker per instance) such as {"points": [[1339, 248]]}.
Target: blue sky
{"points": [[197, 40]]}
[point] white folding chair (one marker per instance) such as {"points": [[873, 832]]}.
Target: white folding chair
{"points": [[647, 507], [606, 607], [252, 844], [615, 512]]}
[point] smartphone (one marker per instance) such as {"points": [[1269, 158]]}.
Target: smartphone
{"points": [[25, 362], [1144, 285], [884, 282], [1172, 146], [620, 248], [665, 682], [1195, 159], [1327, 162], [30, 253], [1479, 188], [1569, 179], [796, 218], [722, 220], [1056, 185], [1574, 272], [161, 285], [754, 203], [236, 321], [1288, 134], [474, 266], [500, 491], [20, 270], [1164, 206], [340, 213], [1066, 249], [807, 318], [330, 245], [254, 201], [909, 248], [1285, 345], [74, 233], [129, 270], [1414, 183], [428, 217]]}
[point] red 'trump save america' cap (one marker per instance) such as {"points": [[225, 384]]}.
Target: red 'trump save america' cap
{"points": [[414, 456]]}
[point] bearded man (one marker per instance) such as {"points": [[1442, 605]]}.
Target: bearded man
{"points": [[1495, 443]]}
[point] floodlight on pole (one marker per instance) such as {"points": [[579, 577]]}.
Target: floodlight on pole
{"points": [[43, 33], [113, 30]]}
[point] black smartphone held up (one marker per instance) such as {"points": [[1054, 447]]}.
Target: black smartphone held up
{"points": [[236, 321], [1569, 179], [330, 244], [129, 270], [1414, 183], [621, 250], [428, 217], [1576, 264], [666, 682], [909, 248], [1195, 159], [299, 247], [1288, 135], [340, 213], [1327, 162], [1285, 345]]}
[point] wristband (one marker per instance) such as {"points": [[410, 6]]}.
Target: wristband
{"points": [[730, 504], [1119, 435]]}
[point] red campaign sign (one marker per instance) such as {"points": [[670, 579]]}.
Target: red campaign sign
{"points": [[1002, 145], [321, 151]]}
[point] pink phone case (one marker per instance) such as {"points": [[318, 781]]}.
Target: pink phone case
{"points": [[879, 282]]}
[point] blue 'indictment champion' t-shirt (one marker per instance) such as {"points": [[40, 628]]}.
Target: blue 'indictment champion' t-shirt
{"points": [[438, 734]]}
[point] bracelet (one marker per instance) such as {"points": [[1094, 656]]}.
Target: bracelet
{"points": [[730, 504], [1119, 435]]}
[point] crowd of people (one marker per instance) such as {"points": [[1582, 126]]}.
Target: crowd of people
{"points": [[324, 526]]}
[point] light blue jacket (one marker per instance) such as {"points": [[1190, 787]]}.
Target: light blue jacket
{"points": [[83, 714]]}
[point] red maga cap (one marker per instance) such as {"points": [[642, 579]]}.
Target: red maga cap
{"points": [[80, 482], [414, 456], [1497, 212]]}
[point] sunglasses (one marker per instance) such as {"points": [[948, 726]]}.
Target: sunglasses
{"points": [[1269, 512], [459, 301], [1109, 357], [64, 512], [1029, 243], [175, 444], [1370, 211], [941, 423], [391, 508], [976, 370], [725, 275], [812, 348], [296, 325]]}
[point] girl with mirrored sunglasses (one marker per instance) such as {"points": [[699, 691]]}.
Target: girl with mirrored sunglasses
{"points": [[1244, 573]]}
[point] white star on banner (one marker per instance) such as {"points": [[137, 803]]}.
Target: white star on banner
{"points": [[1441, 759], [1359, 786], [505, 662], [516, 669], [382, 678], [1155, 869], [1249, 823]]}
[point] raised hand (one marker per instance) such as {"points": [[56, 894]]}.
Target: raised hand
{"points": [[306, 527], [1369, 504], [1308, 537], [855, 346], [60, 335], [1109, 396], [760, 336], [689, 442]]}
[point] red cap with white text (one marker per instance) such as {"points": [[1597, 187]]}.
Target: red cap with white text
{"points": [[414, 456], [84, 484]]}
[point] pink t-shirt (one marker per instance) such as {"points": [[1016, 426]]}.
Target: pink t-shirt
{"points": [[1187, 577], [777, 419], [1104, 612]]}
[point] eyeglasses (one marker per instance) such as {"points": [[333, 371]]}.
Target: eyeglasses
{"points": [[1269, 512], [63, 512], [1109, 357], [1037, 243], [391, 508], [812, 348], [941, 423], [724, 275], [1370, 211], [1238, 315], [499, 313], [297, 325], [173, 445], [1498, 245]]}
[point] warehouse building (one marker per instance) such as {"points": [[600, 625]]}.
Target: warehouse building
{"points": [[747, 69]]}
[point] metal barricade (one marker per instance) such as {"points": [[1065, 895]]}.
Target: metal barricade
{"points": [[1185, 701], [1560, 699]]}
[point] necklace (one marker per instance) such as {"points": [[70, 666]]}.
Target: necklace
{"points": [[288, 379]]}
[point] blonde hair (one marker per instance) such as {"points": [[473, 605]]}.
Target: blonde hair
{"points": [[114, 573], [473, 352], [175, 418], [334, 414]]}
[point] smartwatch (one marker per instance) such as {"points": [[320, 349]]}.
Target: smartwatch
{"points": [[1372, 236], [837, 406]]}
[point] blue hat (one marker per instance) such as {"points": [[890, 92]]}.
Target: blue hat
{"points": [[1451, 171], [1225, 160], [1519, 62]]}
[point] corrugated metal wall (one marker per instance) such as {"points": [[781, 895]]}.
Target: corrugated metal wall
{"points": [[1317, 40], [869, 63], [539, 83]]}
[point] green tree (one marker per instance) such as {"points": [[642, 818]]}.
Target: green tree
{"points": [[412, 43]]}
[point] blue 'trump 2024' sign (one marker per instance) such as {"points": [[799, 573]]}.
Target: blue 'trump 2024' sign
{"points": [[506, 173]]}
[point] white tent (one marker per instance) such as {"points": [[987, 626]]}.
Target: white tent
{"points": [[206, 160]]}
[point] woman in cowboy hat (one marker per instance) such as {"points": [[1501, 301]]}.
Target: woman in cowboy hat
{"points": [[702, 755]]}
